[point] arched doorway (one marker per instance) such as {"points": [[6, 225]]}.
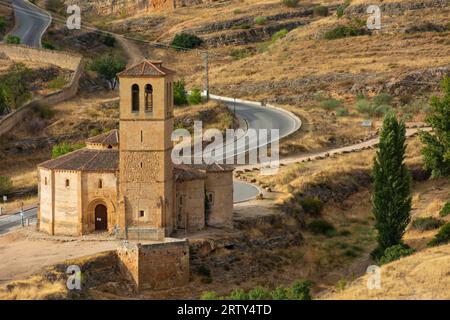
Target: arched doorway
{"points": [[101, 218]]}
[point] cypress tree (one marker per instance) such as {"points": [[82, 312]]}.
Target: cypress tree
{"points": [[391, 198], [436, 150]]}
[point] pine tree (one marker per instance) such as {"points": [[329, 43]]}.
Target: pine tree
{"points": [[391, 199], [436, 152]]}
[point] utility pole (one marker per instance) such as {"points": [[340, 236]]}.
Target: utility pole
{"points": [[205, 60]]}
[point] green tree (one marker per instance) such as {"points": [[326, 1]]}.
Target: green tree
{"points": [[13, 85], [195, 97], [391, 198], [107, 66], [436, 150], [2, 24], [63, 148], [179, 93], [183, 41], [5, 185], [10, 39]]}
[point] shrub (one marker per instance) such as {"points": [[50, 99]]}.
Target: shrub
{"points": [[57, 83], [428, 223], [279, 34], [301, 290], [445, 211], [238, 54], [48, 45], [320, 11], [260, 20], [382, 98], [259, 293], [179, 93], [330, 104], [238, 294], [312, 205], [396, 252], [262, 47], [195, 97], [5, 185], [442, 237], [323, 227], [342, 112], [2, 24], [340, 11], [107, 66], [63, 148], [45, 112], [237, 11], [10, 39], [290, 3], [183, 41], [382, 110], [109, 40], [209, 295], [343, 31], [280, 293]]}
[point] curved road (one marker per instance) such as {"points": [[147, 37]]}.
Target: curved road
{"points": [[31, 23]]}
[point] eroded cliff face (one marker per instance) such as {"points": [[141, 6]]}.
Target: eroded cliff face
{"points": [[131, 7]]}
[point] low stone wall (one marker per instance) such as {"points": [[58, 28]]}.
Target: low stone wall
{"points": [[61, 59], [155, 266]]}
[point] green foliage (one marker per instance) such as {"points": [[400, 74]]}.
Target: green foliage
{"points": [[262, 46], [195, 97], [301, 290], [311, 205], [259, 293], [330, 104], [107, 66], [442, 237], [63, 148], [382, 98], [4, 108], [342, 112], [179, 93], [57, 83], [436, 150], [11, 39], [238, 294], [5, 185], [13, 86], [260, 20], [396, 252], [238, 54], [323, 227], [427, 223], [290, 3], [183, 41], [391, 199], [372, 109], [352, 29], [209, 295], [280, 293], [45, 112], [48, 45], [2, 24], [445, 211], [279, 34], [341, 284], [237, 11], [341, 9], [109, 40], [320, 11]]}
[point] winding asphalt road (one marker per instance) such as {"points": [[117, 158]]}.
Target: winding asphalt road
{"points": [[31, 23]]}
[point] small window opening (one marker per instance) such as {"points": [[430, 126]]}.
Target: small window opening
{"points": [[67, 183], [45, 180], [100, 183], [141, 213]]}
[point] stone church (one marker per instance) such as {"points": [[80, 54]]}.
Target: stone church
{"points": [[124, 182]]}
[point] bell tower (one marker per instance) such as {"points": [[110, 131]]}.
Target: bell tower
{"points": [[146, 169]]}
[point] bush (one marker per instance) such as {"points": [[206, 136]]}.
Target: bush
{"points": [[320, 11], [279, 34], [2, 24], [343, 31], [5, 185], [109, 40], [280, 293], [330, 104], [311, 205], [290, 3], [260, 20], [238, 54], [195, 97], [45, 112], [322, 227], [342, 112], [48, 45], [238, 294], [442, 237], [57, 83], [259, 293], [382, 98], [428, 223], [396, 252], [445, 211], [10, 39], [301, 290], [179, 93], [63, 148], [184, 41], [340, 11], [209, 295]]}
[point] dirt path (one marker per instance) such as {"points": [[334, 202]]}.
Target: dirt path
{"points": [[22, 253], [132, 50]]}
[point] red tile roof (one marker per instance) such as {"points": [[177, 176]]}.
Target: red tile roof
{"points": [[146, 68]]}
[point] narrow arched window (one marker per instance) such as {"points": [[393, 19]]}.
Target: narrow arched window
{"points": [[100, 183], [135, 98], [148, 98]]}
